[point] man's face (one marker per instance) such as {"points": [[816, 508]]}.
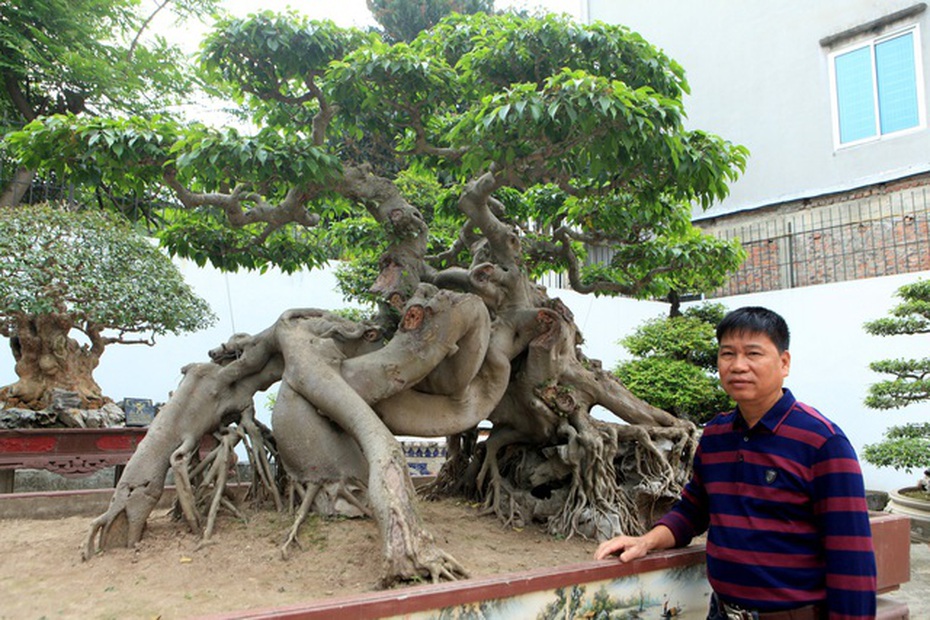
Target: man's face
{"points": [[752, 371]]}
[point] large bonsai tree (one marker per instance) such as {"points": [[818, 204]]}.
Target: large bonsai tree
{"points": [[403, 20], [66, 273], [905, 446], [449, 172]]}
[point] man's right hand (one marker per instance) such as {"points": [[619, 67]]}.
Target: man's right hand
{"points": [[630, 548]]}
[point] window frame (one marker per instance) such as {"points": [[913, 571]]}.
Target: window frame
{"points": [[871, 43]]}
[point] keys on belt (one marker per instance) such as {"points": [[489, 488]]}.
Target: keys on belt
{"points": [[735, 612], [732, 612]]}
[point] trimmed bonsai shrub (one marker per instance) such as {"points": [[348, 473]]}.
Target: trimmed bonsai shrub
{"points": [[73, 282], [676, 363], [904, 447]]}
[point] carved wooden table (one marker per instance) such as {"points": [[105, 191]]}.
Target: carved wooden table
{"points": [[69, 452]]}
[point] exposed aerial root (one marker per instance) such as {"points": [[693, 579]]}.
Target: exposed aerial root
{"points": [[457, 475], [123, 524], [596, 480], [216, 478], [307, 494], [261, 449], [414, 555]]}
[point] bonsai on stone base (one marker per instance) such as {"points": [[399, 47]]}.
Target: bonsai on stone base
{"points": [[72, 282]]}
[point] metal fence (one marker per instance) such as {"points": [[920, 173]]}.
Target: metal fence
{"points": [[871, 232], [862, 235]]}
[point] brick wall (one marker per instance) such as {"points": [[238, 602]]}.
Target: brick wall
{"points": [[872, 231]]}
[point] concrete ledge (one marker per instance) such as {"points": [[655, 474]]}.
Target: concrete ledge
{"points": [[503, 591], [59, 504], [889, 609], [891, 540]]}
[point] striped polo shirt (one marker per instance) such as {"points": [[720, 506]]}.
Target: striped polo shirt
{"points": [[784, 508]]}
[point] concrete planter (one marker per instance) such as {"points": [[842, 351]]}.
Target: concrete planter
{"points": [[669, 584], [917, 510]]}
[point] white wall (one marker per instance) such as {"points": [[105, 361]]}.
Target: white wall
{"points": [[830, 354], [830, 351], [759, 77]]}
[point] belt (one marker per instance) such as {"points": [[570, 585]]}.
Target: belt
{"points": [[735, 612]]}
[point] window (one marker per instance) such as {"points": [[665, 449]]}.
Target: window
{"points": [[877, 88]]}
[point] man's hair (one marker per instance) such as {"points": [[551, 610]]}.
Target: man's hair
{"points": [[756, 320]]}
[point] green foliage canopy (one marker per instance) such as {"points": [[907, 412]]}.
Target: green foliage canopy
{"points": [[93, 57], [903, 447], [575, 129], [675, 363], [61, 56], [403, 20]]}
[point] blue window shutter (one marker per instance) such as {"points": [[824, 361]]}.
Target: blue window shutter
{"points": [[854, 95], [897, 86]]}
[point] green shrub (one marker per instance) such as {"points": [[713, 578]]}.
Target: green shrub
{"points": [[675, 365], [904, 447]]}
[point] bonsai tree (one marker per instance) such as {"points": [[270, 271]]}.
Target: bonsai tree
{"points": [[66, 272], [904, 447], [675, 365], [449, 172]]}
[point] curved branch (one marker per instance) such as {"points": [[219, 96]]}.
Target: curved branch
{"points": [[573, 266], [290, 210], [322, 118], [403, 263]]}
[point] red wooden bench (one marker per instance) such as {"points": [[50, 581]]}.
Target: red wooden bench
{"points": [[69, 452]]}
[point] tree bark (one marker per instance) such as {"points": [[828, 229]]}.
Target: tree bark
{"points": [[17, 187], [46, 358]]}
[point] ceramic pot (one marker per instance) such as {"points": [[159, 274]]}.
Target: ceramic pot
{"points": [[917, 509]]}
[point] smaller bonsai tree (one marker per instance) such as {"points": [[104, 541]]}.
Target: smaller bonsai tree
{"points": [[66, 273], [676, 363], [904, 447]]}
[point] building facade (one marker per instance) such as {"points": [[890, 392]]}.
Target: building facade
{"points": [[830, 99]]}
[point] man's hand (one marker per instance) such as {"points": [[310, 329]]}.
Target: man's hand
{"points": [[630, 548]]}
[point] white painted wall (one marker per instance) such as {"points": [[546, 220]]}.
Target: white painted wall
{"points": [[830, 351], [830, 354], [759, 77]]}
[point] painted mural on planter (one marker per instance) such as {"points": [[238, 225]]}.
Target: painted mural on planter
{"points": [[681, 593]]}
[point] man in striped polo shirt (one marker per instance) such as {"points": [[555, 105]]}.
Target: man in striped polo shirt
{"points": [[778, 489]]}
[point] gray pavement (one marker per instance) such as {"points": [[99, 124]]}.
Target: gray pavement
{"points": [[916, 592]]}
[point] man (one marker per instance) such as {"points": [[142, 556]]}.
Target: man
{"points": [[778, 489]]}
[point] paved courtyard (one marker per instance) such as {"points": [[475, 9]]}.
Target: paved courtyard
{"points": [[916, 592]]}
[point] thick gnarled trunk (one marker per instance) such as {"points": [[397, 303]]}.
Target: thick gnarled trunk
{"points": [[474, 343], [47, 357]]}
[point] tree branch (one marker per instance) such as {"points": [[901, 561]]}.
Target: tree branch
{"points": [[574, 272], [135, 41], [18, 97], [289, 210]]}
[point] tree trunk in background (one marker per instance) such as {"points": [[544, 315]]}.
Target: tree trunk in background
{"points": [[46, 358], [19, 184]]}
